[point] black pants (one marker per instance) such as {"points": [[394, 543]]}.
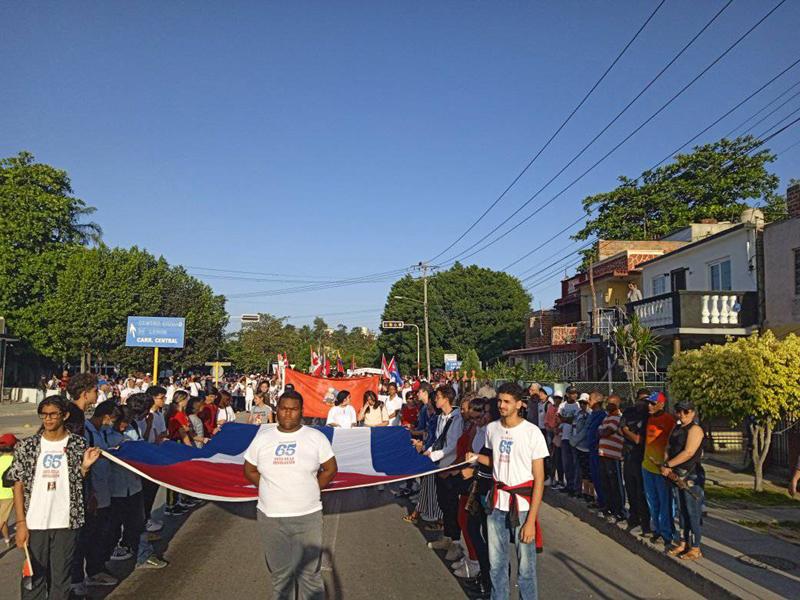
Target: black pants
{"points": [[611, 476], [447, 496], [638, 511], [52, 552], [91, 546], [478, 531], [149, 492], [126, 514]]}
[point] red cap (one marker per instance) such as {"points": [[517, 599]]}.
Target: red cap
{"points": [[415, 386], [8, 439]]}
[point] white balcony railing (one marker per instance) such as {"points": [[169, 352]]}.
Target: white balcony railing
{"points": [[720, 308], [657, 313]]}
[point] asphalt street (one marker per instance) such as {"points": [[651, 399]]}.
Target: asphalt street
{"points": [[369, 551]]}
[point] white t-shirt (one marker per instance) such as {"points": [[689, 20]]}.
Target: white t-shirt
{"points": [[194, 388], [49, 505], [394, 405], [249, 392], [171, 388], [101, 396], [568, 410], [288, 464], [127, 392], [343, 416], [513, 452], [226, 414]]}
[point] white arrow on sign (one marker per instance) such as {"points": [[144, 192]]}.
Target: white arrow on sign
{"points": [[133, 330]]}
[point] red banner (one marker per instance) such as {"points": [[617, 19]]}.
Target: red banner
{"points": [[313, 390]]}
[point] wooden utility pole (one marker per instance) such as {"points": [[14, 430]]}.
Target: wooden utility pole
{"points": [[425, 302]]}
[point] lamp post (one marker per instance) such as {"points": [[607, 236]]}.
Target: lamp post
{"points": [[427, 334]]}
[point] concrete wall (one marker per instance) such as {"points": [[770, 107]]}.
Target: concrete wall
{"points": [[781, 239], [738, 246], [614, 293]]}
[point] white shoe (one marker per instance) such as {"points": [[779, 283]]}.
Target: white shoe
{"points": [[470, 569], [454, 552], [443, 543], [153, 526], [548, 481]]}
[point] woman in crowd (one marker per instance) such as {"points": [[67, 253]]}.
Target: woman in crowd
{"points": [[427, 507], [373, 413], [684, 455], [261, 412], [342, 414], [208, 413], [197, 434], [180, 430], [225, 412]]}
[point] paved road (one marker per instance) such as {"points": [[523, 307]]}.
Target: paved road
{"points": [[369, 550]]}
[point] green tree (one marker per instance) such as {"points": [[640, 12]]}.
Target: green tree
{"points": [[755, 377], [41, 225], [469, 308], [638, 349], [714, 181], [471, 363]]}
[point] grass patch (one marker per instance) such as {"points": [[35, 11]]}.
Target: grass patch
{"points": [[765, 525], [748, 496]]}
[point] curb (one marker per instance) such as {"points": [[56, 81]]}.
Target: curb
{"points": [[679, 570]]}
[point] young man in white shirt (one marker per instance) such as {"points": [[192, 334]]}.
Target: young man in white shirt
{"points": [[291, 464], [518, 450]]}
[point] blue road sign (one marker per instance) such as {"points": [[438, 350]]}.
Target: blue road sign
{"points": [[454, 365], [152, 332]]}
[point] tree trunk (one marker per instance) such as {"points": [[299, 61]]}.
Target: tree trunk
{"points": [[762, 436], [83, 363]]}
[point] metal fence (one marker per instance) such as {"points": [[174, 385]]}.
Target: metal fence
{"points": [[624, 389]]}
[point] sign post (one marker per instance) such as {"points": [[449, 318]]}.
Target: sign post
{"points": [[217, 369], [155, 332]]}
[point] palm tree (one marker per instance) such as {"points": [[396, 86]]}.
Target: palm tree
{"points": [[638, 346]]}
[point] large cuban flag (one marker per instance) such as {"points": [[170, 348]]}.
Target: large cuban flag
{"points": [[365, 455]]}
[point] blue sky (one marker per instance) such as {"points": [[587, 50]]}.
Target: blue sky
{"points": [[328, 140]]}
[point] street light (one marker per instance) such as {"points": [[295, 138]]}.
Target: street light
{"points": [[417, 328], [427, 334]]}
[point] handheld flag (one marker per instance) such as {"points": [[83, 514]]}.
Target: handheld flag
{"points": [[384, 368], [27, 571], [339, 364], [316, 364], [353, 365], [394, 373]]}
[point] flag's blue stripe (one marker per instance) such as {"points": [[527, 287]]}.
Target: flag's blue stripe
{"points": [[393, 454]]}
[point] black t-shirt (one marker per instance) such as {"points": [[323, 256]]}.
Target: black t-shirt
{"points": [[76, 422], [635, 419]]}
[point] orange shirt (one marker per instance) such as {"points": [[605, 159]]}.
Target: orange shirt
{"points": [[658, 430]]}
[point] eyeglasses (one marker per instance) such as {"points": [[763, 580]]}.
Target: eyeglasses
{"points": [[50, 415]]}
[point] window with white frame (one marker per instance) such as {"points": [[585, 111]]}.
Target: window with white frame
{"points": [[720, 275], [659, 285]]}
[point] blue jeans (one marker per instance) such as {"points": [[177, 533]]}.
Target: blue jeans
{"points": [[659, 500], [499, 530], [570, 463], [690, 510]]}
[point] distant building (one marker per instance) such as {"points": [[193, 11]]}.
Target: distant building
{"points": [[782, 269]]}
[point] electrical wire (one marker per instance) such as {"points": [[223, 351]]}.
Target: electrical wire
{"points": [[615, 148], [552, 137]]}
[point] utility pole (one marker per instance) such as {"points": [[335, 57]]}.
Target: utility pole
{"points": [[424, 267]]}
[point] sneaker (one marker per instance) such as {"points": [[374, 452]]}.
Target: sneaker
{"points": [[454, 552], [548, 481], [152, 562], [175, 511], [153, 525], [458, 564], [470, 569], [187, 504], [443, 543], [121, 553], [101, 579], [78, 589]]}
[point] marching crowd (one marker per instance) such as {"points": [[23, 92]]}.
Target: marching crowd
{"points": [[638, 463]]}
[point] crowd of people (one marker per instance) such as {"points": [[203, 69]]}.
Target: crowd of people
{"points": [[496, 450]]}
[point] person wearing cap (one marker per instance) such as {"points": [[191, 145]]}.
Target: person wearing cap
{"points": [[566, 415], [684, 455], [7, 443], [659, 499], [583, 480]]}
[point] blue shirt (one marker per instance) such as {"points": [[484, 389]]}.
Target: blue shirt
{"points": [[595, 420], [430, 429]]}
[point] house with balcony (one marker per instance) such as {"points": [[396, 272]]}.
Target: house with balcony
{"points": [[782, 269], [705, 290]]}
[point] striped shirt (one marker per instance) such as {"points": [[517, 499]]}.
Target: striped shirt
{"points": [[611, 446]]}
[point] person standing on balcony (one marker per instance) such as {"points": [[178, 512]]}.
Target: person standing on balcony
{"points": [[634, 293]]}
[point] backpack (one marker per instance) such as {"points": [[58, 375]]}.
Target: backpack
{"points": [[7, 481]]}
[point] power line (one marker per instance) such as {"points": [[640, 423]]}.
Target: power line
{"points": [[797, 143], [765, 107], [770, 113], [519, 275], [256, 273], [602, 131], [552, 137], [615, 148]]}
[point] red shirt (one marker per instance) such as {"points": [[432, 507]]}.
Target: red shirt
{"points": [[408, 415], [208, 415], [179, 420]]}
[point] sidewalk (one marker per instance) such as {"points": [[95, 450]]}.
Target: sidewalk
{"points": [[19, 418], [744, 554]]}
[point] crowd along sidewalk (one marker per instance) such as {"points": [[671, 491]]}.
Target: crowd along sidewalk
{"points": [[749, 551]]}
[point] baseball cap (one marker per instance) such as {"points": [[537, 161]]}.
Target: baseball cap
{"points": [[584, 397], [685, 405], [657, 398], [572, 390], [8, 439]]}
